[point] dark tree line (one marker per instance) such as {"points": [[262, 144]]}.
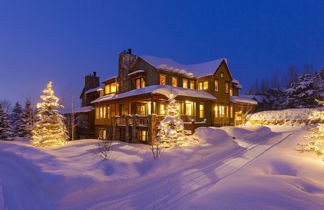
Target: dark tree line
{"points": [[295, 89], [17, 122]]}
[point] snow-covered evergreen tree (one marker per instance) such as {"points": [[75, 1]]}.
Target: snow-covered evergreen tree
{"points": [[304, 91], [27, 119], [5, 129], [16, 122], [49, 129], [171, 129]]}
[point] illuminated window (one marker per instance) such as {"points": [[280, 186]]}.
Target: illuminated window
{"points": [[226, 87], [162, 109], [189, 108], [216, 110], [231, 91], [97, 112], [143, 135], [174, 81], [201, 110], [162, 79], [185, 83], [222, 74], [103, 112], [101, 92], [227, 111], [192, 84], [140, 109], [139, 83], [108, 112], [216, 85], [222, 111], [200, 85], [107, 89], [205, 85], [149, 110], [231, 110], [111, 88]]}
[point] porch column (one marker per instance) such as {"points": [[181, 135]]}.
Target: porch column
{"points": [[134, 129]]}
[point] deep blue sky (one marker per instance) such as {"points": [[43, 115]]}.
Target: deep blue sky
{"points": [[65, 40]]}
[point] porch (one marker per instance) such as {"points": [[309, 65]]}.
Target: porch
{"points": [[140, 129]]}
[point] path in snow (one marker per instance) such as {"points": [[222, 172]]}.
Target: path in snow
{"points": [[167, 191]]}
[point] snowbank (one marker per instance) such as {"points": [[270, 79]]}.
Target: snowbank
{"points": [[286, 116]]}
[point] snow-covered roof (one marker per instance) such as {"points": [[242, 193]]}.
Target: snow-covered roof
{"points": [[110, 78], [237, 83], [83, 109], [196, 70], [247, 99], [135, 72], [165, 90], [94, 89]]}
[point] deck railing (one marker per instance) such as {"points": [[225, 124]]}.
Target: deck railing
{"points": [[149, 123]]}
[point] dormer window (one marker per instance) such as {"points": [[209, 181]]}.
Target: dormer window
{"points": [[111, 88], [200, 85], [205, 85], [174, 82], [192, 84], [185, 83], [162, 79], [139, 83]]}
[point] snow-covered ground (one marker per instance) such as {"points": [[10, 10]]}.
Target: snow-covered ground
{"points": [[231, 168]]}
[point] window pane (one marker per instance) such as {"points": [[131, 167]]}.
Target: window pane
{"points": [[142, 82], [162, 79], [185, 83], [162, 109], [113, 88], [192, 84], [216, 110], [200, 86], [189, 108], [226, 87], [205, 85], [201, 110], [137, 83], [216, 85], [107, 89], [174, 81]]}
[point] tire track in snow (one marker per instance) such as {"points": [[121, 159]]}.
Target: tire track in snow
{"points": [[224, 171], [192, 180]]}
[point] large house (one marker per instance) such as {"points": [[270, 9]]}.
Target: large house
{"points": [[130, 105]]}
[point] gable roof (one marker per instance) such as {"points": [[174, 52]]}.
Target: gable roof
{"points": [[165, 90], [196, 70]]}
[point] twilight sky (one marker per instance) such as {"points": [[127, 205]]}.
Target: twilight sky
{"points": [[63, 40]]}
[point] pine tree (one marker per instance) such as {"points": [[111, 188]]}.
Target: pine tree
{"points": [[171, 129], [304, 91], [27, 119], [5, 129], [16, 121], [49, 129]]}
